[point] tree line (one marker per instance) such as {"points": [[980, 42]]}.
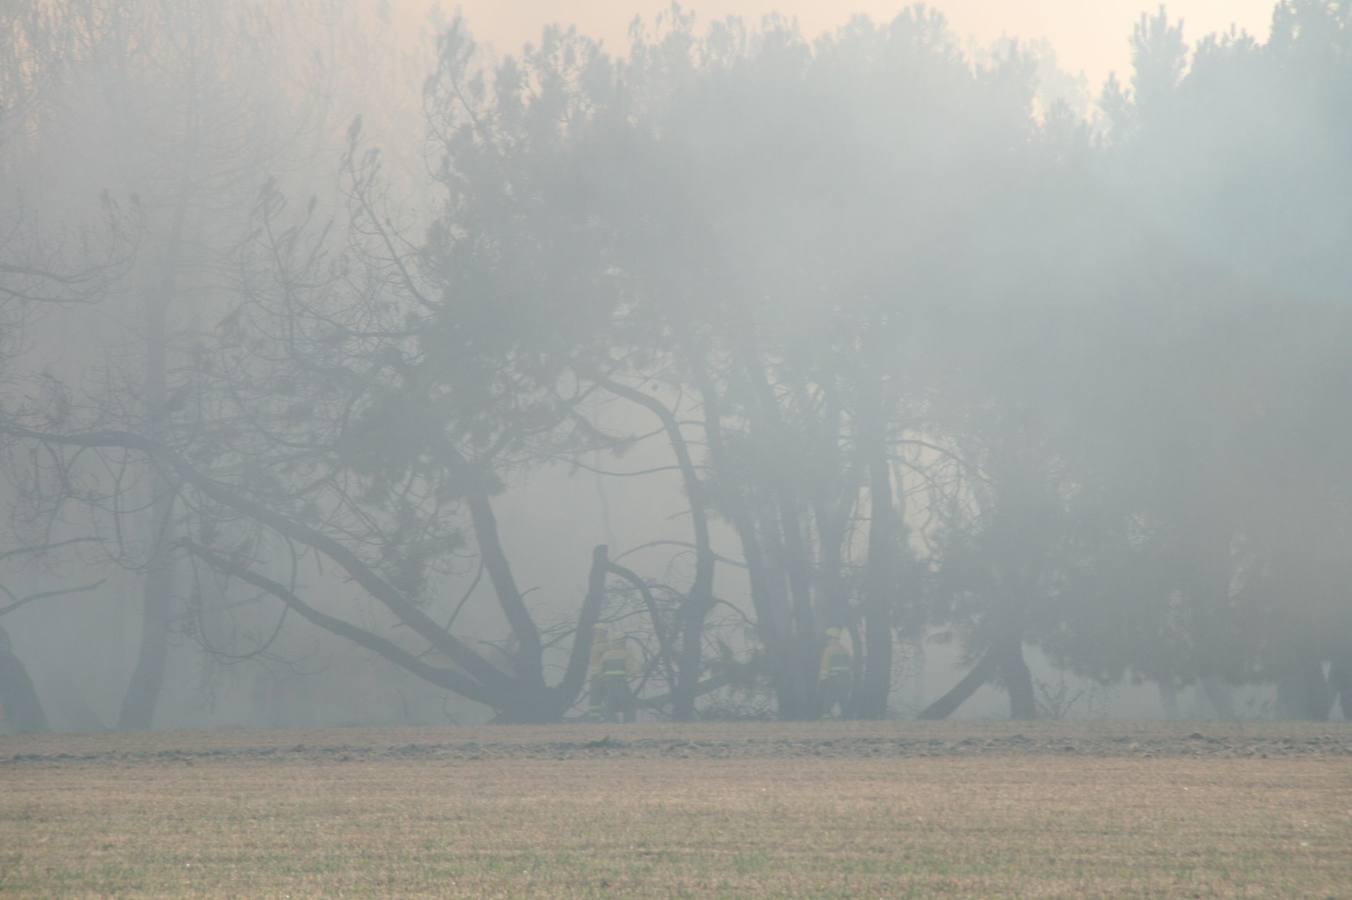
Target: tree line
{"points": [[918, 346]]}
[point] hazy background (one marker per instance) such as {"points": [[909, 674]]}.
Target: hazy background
{"points": [[1089, 37], [321, 312]]}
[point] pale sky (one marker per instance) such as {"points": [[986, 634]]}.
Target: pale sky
{"points": [[1089, 35]]}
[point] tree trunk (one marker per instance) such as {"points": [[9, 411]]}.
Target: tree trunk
{"points": [[20, 710], [147, 679], [700, 600], [1169, 700], [1303, 694], [879, 578], [528, 660], [1018, 682], [797, 568], [579, 660], [690, 659], [766, 602], [1340, 684], [797, 660], [1219, 695], [960, 693]]}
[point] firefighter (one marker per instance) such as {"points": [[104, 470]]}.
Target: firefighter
{"points": [[835, 677], [612, 665], [595, 692]]}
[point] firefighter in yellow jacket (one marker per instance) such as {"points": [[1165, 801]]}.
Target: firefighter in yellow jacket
{"points": [[612, 665], [835, 676]]}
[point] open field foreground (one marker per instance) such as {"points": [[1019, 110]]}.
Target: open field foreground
{"points": [[732, 810]]}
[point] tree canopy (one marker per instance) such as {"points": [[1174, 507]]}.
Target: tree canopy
{"points": [[897, 343]]}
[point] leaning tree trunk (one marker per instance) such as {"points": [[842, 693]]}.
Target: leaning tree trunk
{"points": [[961, 692], [1004, 661], [569, 688], [22, 711], [1018, 681]]}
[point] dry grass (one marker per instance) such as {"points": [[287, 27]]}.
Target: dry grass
{"points": [[145, 815]]}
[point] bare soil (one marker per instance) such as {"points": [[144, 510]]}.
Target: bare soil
{"points": [[745, 810]]}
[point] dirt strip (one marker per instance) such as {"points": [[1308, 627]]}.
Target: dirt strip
{"points": [[745, 741]]}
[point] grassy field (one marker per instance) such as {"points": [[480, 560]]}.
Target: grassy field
{"points": [[813, 810]]}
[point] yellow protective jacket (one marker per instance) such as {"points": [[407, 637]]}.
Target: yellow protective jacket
{"points": [[598, 650], [836, 662], [617, 660]]}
